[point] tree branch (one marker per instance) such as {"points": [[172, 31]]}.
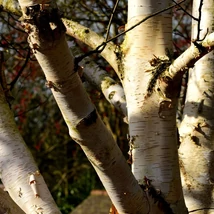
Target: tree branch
{"points": [[112, 91], [188, 59], [77, 31], [13, 82], [110, 20], [93, 40], [199, 20]]}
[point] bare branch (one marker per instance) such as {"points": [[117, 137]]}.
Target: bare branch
{"points": [[191, 55], [185, 11], [143, 20], [3, 80], [110, 20], [2, 74], [99, 78], [112, 90], [12, 84], [199, 20], [93, 40], [196, 210], [102, 45]]}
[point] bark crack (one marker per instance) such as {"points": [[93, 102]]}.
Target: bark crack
{"points": [[89, 119]]}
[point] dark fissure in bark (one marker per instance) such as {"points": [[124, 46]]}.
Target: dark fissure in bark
{"points": [[157, 196], [46, 19], [89, 120]]}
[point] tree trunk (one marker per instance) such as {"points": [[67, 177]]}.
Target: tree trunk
{"points": [[151, 111], [196, 130], [151, 92], [19, 173], [47, 39]]}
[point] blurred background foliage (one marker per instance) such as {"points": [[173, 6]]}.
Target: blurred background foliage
{"points": [[68, 173]]}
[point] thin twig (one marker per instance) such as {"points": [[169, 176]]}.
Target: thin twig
{"points": [[181, 18], [33, 108], [12, 84], [199, 20], [13, 26], [143, 20], [11, 46], [201, 209], [179, 33], [185, 11], [3, 81], [110, 20], [102, 46]]}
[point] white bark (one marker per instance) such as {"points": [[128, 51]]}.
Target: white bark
{"points": [[84, 123], [77, 31], [152, 138], [99, 78], [191, 56], [112, 90], [16, 166], [152, 128], [86, 128], [196, 130], [93, 40]]}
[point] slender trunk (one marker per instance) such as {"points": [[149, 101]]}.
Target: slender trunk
{"points": [[196, 130], [19, 173], [47, 39], [151, 111]]}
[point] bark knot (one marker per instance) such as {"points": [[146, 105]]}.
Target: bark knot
{"points": [[43, 24], [156, 195]]}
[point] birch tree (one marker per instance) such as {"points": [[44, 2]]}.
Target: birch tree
{"points": [[151, 83], [196, 129]]}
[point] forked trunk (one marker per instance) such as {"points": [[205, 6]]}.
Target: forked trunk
{"points": [[151, 108]]}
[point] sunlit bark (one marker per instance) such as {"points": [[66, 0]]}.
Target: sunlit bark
{"points": [[99, 78], [112, 90], [17, 167], [151, 103], [47, 40], [78, 31], [93, 40], [153, 140], [196, 130]]}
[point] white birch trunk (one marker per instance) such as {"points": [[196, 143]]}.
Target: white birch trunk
{"points": [[86, 128], [153, 139], [196, 130], [18, 171], [83, 121]]}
